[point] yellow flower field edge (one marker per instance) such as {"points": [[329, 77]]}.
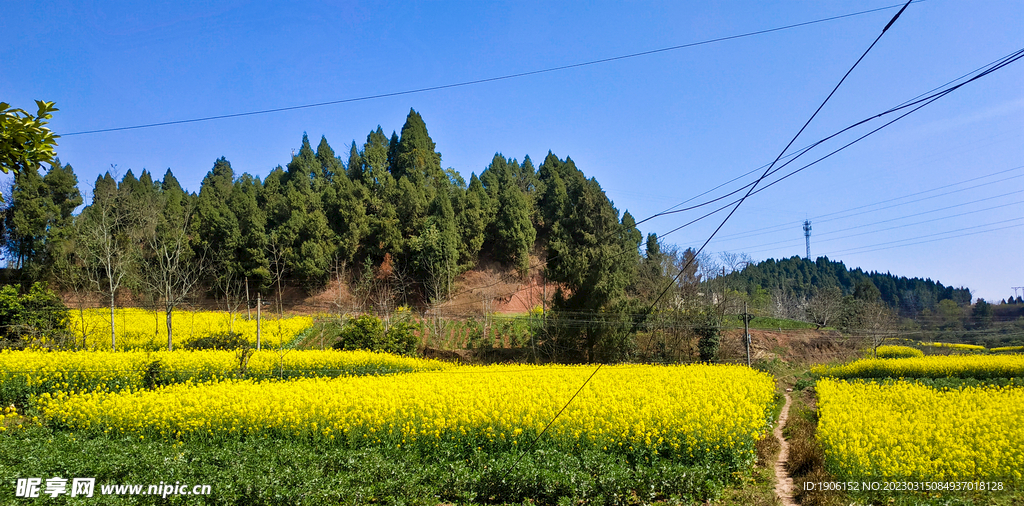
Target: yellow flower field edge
{"points": [[1007, 348], [143, 329], [898, 352], [909, 432], [26, 373], [952, 366], [690, 413], [956, 346]]}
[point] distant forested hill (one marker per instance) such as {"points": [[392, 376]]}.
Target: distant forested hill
{"points": [[798, 278]]}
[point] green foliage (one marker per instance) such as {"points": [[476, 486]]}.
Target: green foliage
{"points": [[866, 291], [221, 341], [402, 337], [515, 234], [414, 156], [38, 214], [981, 315], [367, 332], [36, 318], [706, 326], [25, 140], [591, 254], [898, 352], [293, 472], [799, 278], [436, 249]]}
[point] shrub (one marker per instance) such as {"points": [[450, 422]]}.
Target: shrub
{"points": [[367, 332], [402, 339], [706, 328], [898, 352], [36, 318], [221, 341]]}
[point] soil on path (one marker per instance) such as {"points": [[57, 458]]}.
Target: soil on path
{"points": [[783, 482]]}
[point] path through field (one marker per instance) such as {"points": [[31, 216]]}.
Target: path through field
{"points": [[783, 482]]}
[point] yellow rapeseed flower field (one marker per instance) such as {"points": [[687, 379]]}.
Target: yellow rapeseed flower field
{"points": [[952, 366], [1008, 348], [955, 346], [689, 412], [144, 329], [25, 373], [898, 352], [907, 431]]}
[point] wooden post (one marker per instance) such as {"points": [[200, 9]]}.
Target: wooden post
{"points": [[259, 336], [746, 331], [248, 305]]}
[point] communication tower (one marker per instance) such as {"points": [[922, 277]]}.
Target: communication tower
{"points": [[807, 237]]}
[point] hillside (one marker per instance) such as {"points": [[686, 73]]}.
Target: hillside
{"points": [[798, 278]]}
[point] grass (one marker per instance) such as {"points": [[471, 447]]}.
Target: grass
{"points": [[277, 472], [757, 488], [807, 459]]}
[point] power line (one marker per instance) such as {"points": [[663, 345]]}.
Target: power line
{"points": [[792, 241], [854, 250], [485, 80], [823, 217], [917, 101], [1013, 57], [639, 321]]}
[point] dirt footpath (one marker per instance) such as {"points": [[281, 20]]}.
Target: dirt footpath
{"points": [[783, 482]]}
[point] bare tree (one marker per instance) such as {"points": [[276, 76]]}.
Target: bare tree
{"points": [[277, 250], [110, 247], [876, 320], [175, 269], [785, 305], [733, 262], [826, 306]]}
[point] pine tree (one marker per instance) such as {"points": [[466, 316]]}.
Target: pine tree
{"points": [[62, 187], [473, 222], [385, 229], [218, 225], [26, 218], [592, 256], [313, 242], [355, 164], [515, 234], [251, 250], [415, 157], [436, 249], [330, 165]]}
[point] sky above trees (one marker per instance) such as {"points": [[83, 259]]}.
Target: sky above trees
{"points": [[654, 130]]}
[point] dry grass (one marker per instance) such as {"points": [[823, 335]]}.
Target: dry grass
{"points": [[806, 457]]}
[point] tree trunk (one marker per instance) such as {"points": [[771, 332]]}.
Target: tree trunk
{"points": [[113, 340], [81, 319], [170, 331]]}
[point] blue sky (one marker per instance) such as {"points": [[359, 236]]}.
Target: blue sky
{"points": [[948, 181]]}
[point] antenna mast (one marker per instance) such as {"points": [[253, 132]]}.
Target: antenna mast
{"points": [[807, 237]]}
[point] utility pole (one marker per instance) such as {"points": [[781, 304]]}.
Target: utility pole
{"points": [[1015, 288], [807, 237], [746, 331]]}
